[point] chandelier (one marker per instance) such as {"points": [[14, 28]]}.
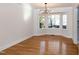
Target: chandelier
{"points": [[45, 12]]}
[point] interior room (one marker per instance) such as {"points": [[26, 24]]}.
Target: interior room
{"points": [[39, 28]]}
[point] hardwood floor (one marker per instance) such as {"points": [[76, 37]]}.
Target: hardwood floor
{"points": [[43, 45], [78, 49]]}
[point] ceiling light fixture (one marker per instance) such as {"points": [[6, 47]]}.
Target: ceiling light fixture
{"points": [[45, 11]]}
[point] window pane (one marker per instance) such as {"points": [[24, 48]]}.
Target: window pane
{"points": [[64, 21], [57, 21], [42, 22], [53, 21], [50, 21]]}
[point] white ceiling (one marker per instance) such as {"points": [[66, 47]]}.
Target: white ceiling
{"points": [[53, 5]]}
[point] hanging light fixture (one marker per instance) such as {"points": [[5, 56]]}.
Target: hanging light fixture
{"points": [[45, 13]]}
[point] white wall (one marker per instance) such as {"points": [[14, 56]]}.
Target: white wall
{"points": [[36, 21], [13, 27], [68, 32], [75, 26]]}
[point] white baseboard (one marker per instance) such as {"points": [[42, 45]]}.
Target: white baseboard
{"points": [[13, 43], [75, 42], [38, 34]]}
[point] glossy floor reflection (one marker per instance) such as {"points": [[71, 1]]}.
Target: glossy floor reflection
{"points": [[44, 45]]}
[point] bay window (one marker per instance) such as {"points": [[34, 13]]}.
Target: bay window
{"points": [[53, 21]]}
